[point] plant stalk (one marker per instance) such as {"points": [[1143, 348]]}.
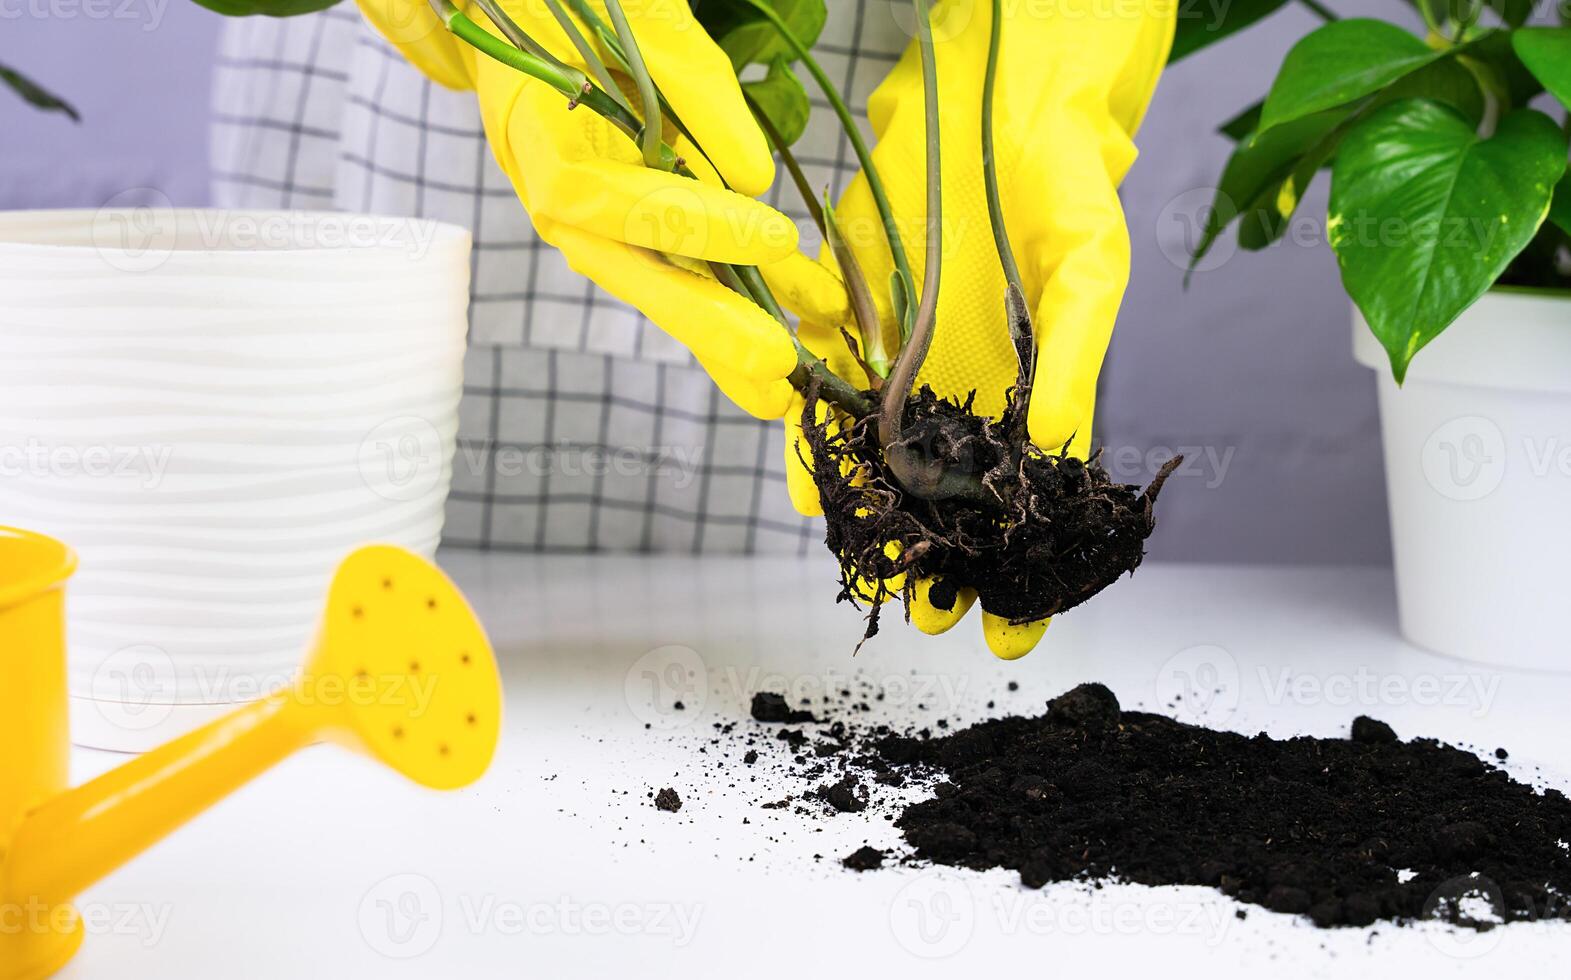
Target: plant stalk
{"points": [[1021, 333], [587, 52], [914, 469], [864, 157], [650, 141]]}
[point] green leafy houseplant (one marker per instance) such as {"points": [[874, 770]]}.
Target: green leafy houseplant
{"points": [[1446, 176]]}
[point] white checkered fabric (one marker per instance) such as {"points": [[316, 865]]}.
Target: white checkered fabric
{"points": [[584, 427]]}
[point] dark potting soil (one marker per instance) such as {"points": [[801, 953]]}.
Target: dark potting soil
{"points": [[667, 800], [1044, 533], [1345, 831]]}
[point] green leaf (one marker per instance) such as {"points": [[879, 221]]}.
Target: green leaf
{"points": [[36, 95], [1560, 207], [1425, 214], [1201, 25], [1342, 62], [781, 97], [1513, 12], [266, 8], [1495, 56], [1243, 125], [1267, 176], [1546, 51], [752, 40]]}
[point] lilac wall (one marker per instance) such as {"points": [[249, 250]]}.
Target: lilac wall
{"points": [[1250, 369]]}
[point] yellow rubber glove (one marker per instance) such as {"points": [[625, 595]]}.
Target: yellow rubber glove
{"points": [[643, 235], [1074, 80]]}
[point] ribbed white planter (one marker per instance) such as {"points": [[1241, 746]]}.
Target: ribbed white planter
{"points": [[1478, 472], [213, 408]]}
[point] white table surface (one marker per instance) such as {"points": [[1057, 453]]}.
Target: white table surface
{"points": [[329, 866]]}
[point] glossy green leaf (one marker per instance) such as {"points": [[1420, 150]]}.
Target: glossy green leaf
{"points": [[1425, 214], [1560, 207], [1342, 62], [749, 39], [1200, 25], [1546, 51], [266, 8], [1267, 176], [34, 94], [781, 97], [1243, 125]]}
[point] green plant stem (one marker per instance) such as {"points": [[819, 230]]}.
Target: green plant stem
{"points": [[646, 85], [1321, 10], [572, 84], [875, 183], [917, 472], [587, 52], [995, 207], [1016, 312], [518, 36], [789, 160], [873, 355]]}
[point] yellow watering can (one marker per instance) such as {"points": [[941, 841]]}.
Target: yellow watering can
{"points": [[392, 620]]}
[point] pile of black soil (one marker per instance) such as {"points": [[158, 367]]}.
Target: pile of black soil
{"points": [[1345, 831], [1037, 534]]}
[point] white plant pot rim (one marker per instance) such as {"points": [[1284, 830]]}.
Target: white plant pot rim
{"points": [[1525, 347], [206, 242]]}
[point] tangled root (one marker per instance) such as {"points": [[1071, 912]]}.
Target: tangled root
{"points": [[1039, 534]]}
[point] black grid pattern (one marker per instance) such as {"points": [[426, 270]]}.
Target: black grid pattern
{"points": [[583, 427]]}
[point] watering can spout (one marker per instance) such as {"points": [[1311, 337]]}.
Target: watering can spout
{"points": [[400, 671]]}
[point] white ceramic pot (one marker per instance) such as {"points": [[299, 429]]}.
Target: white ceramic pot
{"points": [[1478, 471], [213, 408]]}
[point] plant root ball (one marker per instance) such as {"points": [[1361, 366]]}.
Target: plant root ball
{"points": [[1039, 534]]}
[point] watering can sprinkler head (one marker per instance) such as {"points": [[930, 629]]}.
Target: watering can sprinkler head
{"points": [[400, 671]]}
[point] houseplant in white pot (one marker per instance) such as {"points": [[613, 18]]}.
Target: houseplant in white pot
{"points": [[1450, 217]]}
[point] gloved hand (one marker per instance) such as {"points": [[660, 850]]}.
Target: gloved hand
{"points": [[1074, 80], [588, 193]]}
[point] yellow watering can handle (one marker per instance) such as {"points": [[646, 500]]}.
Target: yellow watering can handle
{"points": [[76, 838]]}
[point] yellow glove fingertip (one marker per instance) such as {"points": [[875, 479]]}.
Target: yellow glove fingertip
{"points": [[1008, 641], [798, 465], [928, 617]]}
